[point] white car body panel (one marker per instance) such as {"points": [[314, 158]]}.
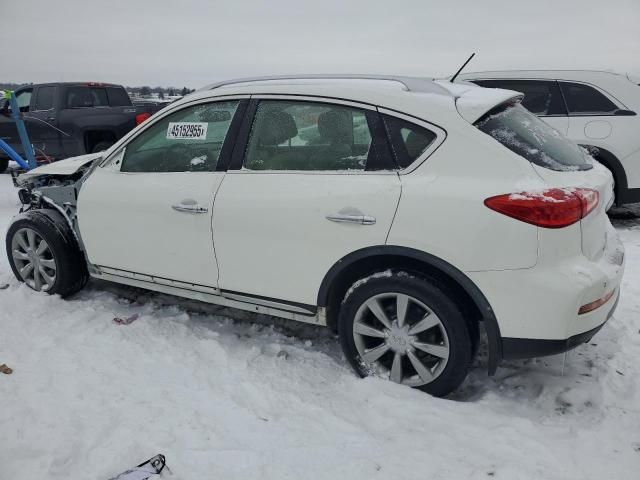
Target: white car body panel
{"points": [[127, 222], [272, 236]]}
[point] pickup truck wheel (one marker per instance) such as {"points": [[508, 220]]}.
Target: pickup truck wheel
{"points": [[4, 164], [101, 146], [408, 330], [44, 254]]}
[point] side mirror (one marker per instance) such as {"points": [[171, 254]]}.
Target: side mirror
{"points": [[624, 113]]}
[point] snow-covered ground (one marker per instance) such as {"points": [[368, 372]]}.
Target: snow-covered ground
{"points": [[226, 399]]}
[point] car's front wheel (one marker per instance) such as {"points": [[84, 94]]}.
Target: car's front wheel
{"points": [[407, 329], [44, 254]]}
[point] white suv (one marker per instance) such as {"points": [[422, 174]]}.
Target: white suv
{"points": [[401, 212], [594, 109]]}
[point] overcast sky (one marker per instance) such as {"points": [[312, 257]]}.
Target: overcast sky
{"points": [[195, 42]]}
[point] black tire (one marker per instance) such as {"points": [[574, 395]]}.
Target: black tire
{"points": [[460, 337], [101, 146], [4, 164], [71, 268]]}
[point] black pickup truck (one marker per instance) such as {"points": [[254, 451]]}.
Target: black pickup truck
{"points": [[68, 119]]}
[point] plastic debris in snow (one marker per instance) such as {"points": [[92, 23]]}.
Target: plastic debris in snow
{"points": [[146, 470]]}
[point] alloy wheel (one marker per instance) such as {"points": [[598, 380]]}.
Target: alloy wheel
{"points": [[33, 259], [402, 336]]}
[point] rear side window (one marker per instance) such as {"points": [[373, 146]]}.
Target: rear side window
{"points": [[301, 135], [118, 97], [79, 97], [584, 100], [540, 96], [525, 134], [45, 97], [408, 140], [189, 140]]}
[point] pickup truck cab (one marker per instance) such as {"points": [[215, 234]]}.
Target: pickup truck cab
{"points": [[69, 119]]}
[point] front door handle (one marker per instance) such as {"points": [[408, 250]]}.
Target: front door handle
{"points": [[359, 219], [189, 206]]}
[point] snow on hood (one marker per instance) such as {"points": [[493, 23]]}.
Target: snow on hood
{"points": [[473, 101], [62, 167]]}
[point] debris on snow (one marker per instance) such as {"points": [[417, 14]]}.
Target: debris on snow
{"points": [[127, 320]]}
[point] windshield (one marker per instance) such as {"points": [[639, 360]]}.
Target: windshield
{"points": [[525, 134]]}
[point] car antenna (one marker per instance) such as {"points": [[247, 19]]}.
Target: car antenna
{"points": [[463, 65]]}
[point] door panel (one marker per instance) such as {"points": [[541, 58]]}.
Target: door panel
{"points": [[128, 222], [148, 209], [272, 236]]}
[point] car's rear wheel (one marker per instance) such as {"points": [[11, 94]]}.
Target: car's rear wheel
{"points": [[44, 254], [407, 329]]}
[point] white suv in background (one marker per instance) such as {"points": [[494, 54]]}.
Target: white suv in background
{"points": [[592, 108], [399, 211]]}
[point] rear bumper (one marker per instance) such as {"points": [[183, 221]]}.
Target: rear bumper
{"points": [[537, 309], [514, 348]]}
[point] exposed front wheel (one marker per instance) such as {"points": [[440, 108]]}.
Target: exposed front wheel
{"points": [[44, 254], [408, 330]]}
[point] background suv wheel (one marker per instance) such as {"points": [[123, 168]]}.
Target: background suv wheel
{"points": [[407, 329]]}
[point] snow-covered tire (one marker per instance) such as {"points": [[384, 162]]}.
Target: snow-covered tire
{"points": [[64, 269], [430, 347]]}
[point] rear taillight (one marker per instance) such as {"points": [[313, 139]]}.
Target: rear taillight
{"points": [[141, 117], [552, 208]]}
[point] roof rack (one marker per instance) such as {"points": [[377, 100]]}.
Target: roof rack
{"points": [[411, 84]]}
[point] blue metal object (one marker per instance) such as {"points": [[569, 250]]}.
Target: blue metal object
{"points": [[22, 132], [13, 155]]}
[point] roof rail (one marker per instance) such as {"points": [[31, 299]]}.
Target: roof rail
{"points": [[411, 84]]}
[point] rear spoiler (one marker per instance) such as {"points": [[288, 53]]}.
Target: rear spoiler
{"points": [[472, 101]]}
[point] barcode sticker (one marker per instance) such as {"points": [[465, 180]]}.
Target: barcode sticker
{"points": [[187, 131]]}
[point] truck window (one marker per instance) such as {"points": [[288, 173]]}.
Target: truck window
{"points": [[79, 97], [44, 98], [118, 97]]}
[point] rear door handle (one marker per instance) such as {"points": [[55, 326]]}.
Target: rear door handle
{"points": [[189, 206], [359, 219]]}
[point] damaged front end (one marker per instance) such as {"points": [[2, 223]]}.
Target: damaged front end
{"points": [[56, 186]]}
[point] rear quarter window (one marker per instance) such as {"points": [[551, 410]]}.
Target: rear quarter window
{"points": [[118, 97], [586, 100], [526, 135]]}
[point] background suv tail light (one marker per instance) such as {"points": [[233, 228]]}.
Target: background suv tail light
{"points": [[552, 208]]}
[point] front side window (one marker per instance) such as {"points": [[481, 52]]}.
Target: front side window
{"points": [[292, 135], [189, 140], [584, 100], [409, 140], [528, 136], [44, 98], [82, 97], [541, 97]]}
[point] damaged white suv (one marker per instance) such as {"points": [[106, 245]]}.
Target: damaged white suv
{"points": [[401, 212]]}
